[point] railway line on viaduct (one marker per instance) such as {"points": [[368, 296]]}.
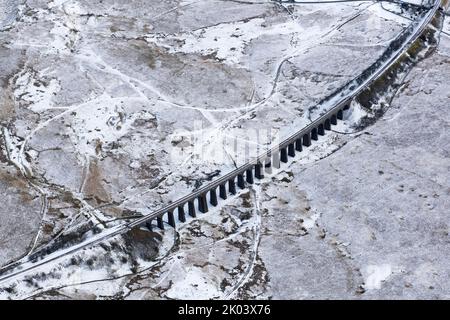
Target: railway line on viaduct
{"points": [[255, 169], [281, 153]]}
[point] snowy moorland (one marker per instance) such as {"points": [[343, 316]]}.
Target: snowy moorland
{"points": [[111, 109]]}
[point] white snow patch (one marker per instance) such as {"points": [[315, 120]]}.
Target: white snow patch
{"points": [[376, 274], [194, 285], [103, 120], [56, 3], [63, 33], [12, 150], [73, 8], [310, 222], [59, 43], [38, 94], [446, 25], [355, 114], [227, 42]]}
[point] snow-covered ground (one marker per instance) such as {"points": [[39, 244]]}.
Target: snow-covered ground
{"points": [[106, 105]]}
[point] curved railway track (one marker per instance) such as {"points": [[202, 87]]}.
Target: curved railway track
{"points": [[255, 168]]}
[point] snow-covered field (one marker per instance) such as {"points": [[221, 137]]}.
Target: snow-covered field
{"points": [[109, 109]]}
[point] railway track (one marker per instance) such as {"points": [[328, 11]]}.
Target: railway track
{"points": [[281, 153], [246, 174]]}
